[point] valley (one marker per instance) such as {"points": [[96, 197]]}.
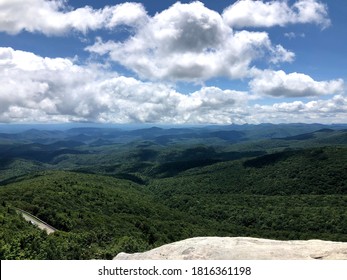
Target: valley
{"points": [[108, 190]]}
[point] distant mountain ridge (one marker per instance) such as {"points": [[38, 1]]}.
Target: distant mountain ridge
{"points": [[156, 151], [231, 133]]}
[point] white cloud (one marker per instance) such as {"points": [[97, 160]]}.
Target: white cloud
{"points": [[56, 18], [292, 35], [35, 83], [186, 42], [260, 13], [190, 42], [280, 84], [131, 14], [332, 110], [55, 89], [280, 54], [37, 89]]}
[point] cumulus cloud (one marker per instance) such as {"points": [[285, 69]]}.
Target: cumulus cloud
{"points": [[56, 18], [333, 110], [281, 84], [280, 54], [193, 43], [250, 13], [31, 82], [55, 89], [37, 89], [186, 42]]}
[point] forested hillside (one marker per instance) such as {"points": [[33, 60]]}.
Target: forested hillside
{"points": [[96, 216], [108, 191]]}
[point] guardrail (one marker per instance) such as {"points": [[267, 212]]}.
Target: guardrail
{"points": [[34, 218]]}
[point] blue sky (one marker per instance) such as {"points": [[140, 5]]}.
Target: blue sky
{"points": [[168, 62]]}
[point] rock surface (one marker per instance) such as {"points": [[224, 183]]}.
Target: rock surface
{"points": [[242, 248]]}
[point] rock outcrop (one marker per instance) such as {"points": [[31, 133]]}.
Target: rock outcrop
{"points": [[242, 248]]}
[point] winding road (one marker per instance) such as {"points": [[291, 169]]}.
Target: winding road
{"points": [[36, 221]]}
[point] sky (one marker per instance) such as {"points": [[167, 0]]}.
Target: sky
{"points": [[168, 62]]}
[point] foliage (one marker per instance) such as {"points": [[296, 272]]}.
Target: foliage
{"points": [[91, 212], [108, 191]]}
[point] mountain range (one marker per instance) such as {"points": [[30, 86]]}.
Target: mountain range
{"points": [[113, 189]]}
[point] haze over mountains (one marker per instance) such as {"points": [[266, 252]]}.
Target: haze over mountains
{"points": [[160, 135], [78, 146]]}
